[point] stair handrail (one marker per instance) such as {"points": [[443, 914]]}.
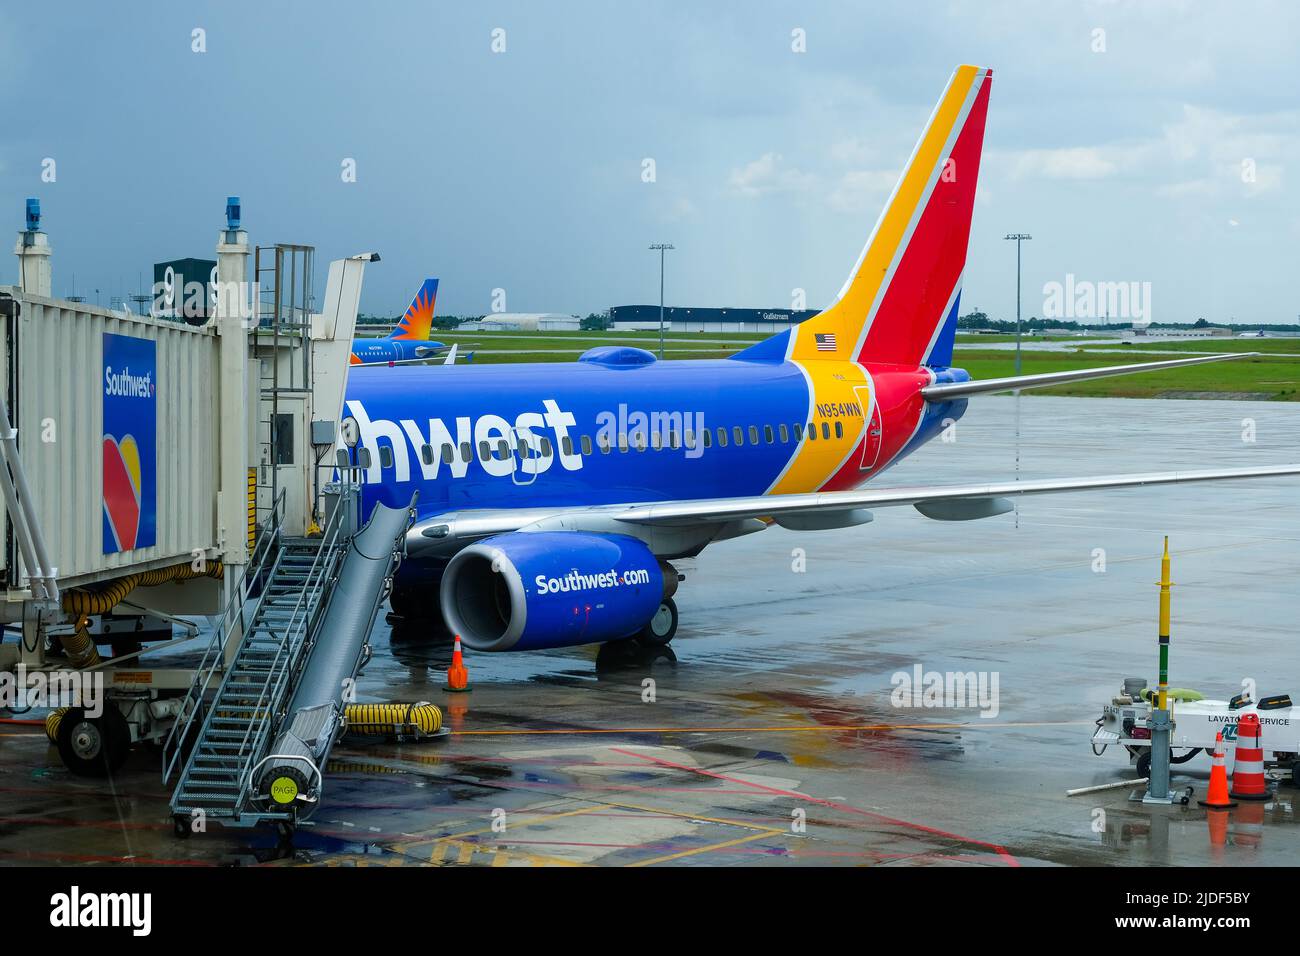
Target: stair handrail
{"points": [[275, 684], [268, 536]]}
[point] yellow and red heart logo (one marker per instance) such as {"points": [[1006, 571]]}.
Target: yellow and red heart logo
{"points": [[122, 489]]}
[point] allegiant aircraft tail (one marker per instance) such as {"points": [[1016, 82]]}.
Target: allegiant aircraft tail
{"points": [[899, 304], [417, 322]]}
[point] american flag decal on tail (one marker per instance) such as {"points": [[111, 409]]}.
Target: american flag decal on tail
{"points": [[825, 341]]}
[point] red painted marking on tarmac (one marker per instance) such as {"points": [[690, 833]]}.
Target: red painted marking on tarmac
{"points": [[935, 831], [74, 792], [93, 824], [599, 846], [101, 858]]}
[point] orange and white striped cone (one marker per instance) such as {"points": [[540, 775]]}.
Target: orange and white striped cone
{"points": [[1248, 781], [457, 673], [1216, 798]]}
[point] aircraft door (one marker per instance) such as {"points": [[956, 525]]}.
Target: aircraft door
{"points": [[524, 451], [872, 439]]}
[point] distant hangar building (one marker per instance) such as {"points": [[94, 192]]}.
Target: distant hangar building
{"points": [[637, 318], [524, 322]]}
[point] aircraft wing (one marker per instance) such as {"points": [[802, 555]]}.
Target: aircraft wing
{"points": [[699, 521], [948, 390], [944, 501]]}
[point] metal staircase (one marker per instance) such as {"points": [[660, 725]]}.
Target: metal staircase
{"points": [[276, 607]]}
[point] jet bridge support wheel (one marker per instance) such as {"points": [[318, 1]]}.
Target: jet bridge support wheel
{"points": [[94, 746], [661, 628]]}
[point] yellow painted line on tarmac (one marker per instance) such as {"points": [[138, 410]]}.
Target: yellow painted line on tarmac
{"points": [[466, 848], [694, 816], [702, 849]]}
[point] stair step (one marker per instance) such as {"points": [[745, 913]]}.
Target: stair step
{"points": [[216, 786], [193, 799]]}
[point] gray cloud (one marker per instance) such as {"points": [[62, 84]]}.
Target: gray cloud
{"points": [[523, 170]]}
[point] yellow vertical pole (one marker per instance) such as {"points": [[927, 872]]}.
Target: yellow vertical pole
{"points": [[1165, 586]]}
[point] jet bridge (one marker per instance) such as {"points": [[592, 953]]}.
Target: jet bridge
{"points": [[149, 471]]}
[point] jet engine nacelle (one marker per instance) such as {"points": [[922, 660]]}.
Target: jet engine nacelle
{"points": [[525, 591]]}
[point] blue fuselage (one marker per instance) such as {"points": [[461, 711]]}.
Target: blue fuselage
{"points": [[534, 435], [368, 351]]}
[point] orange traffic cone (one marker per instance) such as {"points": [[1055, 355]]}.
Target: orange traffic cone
{"points": [[1217, 797], [1248, 781], [457, 675]]}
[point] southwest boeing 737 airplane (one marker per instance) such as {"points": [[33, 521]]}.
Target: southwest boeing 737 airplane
{"points": [[409, 341], [554, 497]]}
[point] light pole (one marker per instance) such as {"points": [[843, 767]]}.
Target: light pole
{"points": [[663, 247], [1019, 237]]}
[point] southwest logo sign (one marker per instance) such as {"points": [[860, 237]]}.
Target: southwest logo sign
{"points": [[130, 376]]}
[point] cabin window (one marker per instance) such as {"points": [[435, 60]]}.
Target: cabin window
{"points": [[767, 434], [785, 433], [722, 437], [690, 438], [638, 441], [546, 447], [826, 430], [839, 429], [656, 441], [798, 432], [708, 438], [466, 452], [426, 453], [448, 454], [503, 450], [484, 452], [622, 443], [738, 434], [673, 441], [603, 443], [753, 434], [586, 444], [525, 450], [812, 432], [566, 443]]}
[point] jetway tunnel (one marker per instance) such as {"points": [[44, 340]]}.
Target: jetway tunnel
{"points": [[156, 473]]}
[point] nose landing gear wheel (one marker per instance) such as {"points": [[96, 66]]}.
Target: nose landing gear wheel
{"points": [[661, 628], [94, 746]]}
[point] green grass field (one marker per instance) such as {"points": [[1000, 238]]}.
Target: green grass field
{"points": [[1270, 376], [1272, 346], [1276, 378], [970, 338]]}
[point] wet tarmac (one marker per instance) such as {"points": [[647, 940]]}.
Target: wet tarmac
{"points": [[768, 736]]}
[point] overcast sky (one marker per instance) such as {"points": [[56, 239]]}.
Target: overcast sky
{"points": [[1160, 149]]}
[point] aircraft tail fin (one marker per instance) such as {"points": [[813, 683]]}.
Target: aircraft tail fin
{"points": [[416, 323], [899, 305]]}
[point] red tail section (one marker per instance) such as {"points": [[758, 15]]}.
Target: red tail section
{"points": [[899, 306]]}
